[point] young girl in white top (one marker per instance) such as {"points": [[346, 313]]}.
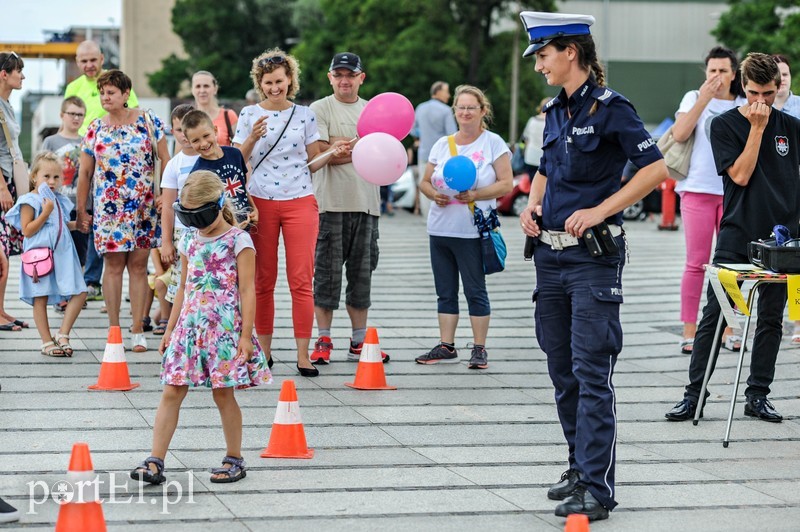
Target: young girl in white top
{"points": [[42, 216]]}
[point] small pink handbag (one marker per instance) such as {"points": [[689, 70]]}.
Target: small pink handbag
{"points": [[38, 262]]}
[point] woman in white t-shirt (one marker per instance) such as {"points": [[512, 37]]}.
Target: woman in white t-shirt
{"points": [[701, 191], [454, 244], [278, 138], [533, 134]]}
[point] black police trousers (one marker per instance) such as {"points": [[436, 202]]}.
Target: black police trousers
{"points": [[577, 301]]}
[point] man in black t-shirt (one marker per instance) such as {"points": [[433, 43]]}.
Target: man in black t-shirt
{"points": [[757, 152]]}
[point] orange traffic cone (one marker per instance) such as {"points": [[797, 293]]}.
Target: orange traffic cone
{"points": [[288, 438], [369, 373], [81, 511], [114, 370], [577, 523]]}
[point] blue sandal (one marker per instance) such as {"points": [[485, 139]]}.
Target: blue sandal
{"points": [[161, 327], [143, 473], [235, 472]]}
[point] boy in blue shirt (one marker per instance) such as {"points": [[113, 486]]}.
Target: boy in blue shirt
{"points": [[225, 161]]}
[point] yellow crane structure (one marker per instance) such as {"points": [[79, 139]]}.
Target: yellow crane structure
{"points": [[48, 50]]}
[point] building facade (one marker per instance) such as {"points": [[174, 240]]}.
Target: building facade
{"points": [[146, 37], [653, 49]]}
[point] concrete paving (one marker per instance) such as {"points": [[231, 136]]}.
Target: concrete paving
{"points": [[451, 449]]}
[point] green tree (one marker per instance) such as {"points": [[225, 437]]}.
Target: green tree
{"points": [[474, 19], [223, 38], [408, 45], [404, 45], [768, 26], [167, 81]]}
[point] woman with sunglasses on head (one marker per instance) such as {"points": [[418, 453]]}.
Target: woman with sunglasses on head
{"points": [[117, 160], [590, 132], [204, 90], [278, 138], [11, 77]]}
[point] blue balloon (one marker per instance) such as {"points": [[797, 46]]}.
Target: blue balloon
{"points": [[459, 173]]}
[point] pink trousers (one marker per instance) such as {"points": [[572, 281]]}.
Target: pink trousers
{"points": [[701, 214], [298, 221]]}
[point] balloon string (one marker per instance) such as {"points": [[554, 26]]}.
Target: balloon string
{"points": [[327, 153]]}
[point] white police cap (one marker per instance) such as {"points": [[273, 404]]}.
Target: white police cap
{"points": [[544, 27]]}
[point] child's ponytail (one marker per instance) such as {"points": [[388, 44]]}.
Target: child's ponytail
{"points": [[228, 213]]}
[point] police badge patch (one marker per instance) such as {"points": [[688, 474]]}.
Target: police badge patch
{"points": [[782, 146]]}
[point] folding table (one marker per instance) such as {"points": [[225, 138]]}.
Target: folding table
{"points": [[726, 279]]}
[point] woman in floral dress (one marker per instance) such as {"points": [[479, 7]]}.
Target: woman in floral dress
{"points": [[117, 158]]}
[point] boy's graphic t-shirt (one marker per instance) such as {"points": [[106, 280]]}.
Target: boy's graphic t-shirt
{"points": [[69, 153], [232, 171]]}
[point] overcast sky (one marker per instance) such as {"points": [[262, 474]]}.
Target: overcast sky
{"points": [[26, 20]]}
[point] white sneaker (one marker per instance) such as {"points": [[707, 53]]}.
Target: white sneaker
{"points": [[138, 343], [8, 513]]}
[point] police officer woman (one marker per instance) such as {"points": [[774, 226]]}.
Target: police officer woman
{"points": [[590, 132]]}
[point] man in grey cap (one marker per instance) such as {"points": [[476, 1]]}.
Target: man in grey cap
{"points": [[349, 210], [433, 120]]}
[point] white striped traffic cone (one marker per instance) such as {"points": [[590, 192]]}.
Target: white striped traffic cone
{"points": [[82, 512], [288, 437], [114, 374], [370, 374]]}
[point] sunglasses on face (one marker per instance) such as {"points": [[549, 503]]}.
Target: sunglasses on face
{"points": [[9, 56], [274, 60]]}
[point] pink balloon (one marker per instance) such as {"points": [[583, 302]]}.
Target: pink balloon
{"points": [[380, 159], [388, 112]]}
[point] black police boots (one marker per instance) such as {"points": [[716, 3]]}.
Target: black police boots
{"points": [[582, 502], [562, 490]]}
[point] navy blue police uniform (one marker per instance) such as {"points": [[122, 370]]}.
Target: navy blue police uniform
{"points": [[588, 138]]}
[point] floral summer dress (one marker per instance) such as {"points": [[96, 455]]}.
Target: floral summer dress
{"points": [[202, 349], [125, 216]]}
